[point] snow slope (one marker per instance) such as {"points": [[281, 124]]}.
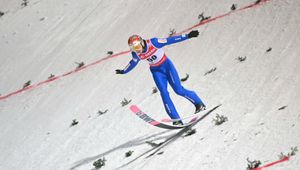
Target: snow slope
{"points": [[48, 37]]}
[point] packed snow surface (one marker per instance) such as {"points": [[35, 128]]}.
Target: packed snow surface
{"points": [[260, 96]]}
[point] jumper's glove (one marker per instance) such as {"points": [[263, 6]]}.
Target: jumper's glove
{"points": [[193, 33], [119, 71]]}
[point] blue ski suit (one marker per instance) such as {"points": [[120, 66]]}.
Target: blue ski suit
{"points": [[163, 71]]}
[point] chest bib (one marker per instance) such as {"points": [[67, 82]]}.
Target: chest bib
{"points": [[154, 56]]}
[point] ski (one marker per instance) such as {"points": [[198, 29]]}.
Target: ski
{"points": [[187, 117], [138, 112]]}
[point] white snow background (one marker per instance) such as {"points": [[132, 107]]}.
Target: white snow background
{"points": [[49, 36]]}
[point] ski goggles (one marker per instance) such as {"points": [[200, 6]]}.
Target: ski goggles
{"points": [[136, 47]]}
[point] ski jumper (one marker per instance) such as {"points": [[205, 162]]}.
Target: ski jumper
{"points": [[163, 71]]}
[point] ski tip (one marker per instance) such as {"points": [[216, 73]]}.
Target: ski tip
{"points": [[134, 108]]}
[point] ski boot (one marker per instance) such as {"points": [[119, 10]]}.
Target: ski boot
{"points": [[179, 122], [200, 107]]}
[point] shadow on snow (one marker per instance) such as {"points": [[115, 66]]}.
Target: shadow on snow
{"points": [[141, 141]]}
